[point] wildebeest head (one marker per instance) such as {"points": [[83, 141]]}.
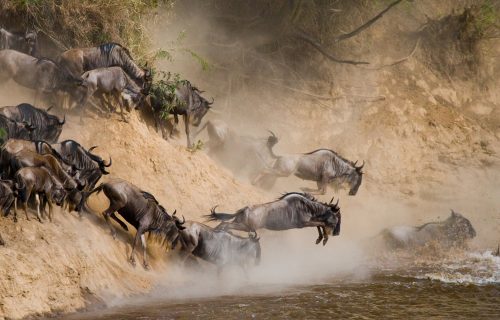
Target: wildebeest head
{"points": [[102, 164], [272, 139], [31, 39], [460, 227], [255, 244], [354, 178], [148, 80], [201, 107], [332, 218], [58, 193]]}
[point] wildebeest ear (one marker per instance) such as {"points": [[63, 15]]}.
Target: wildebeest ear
{"points": [[453, 214]]}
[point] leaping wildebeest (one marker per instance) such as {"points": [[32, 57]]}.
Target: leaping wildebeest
{"points": [[112, 81], [186, 101], [323, 166], [47, 127], [291, 211], [451, 232], [42, 75], [221, 248], [242, 154], [141, 210], [25, 43]]}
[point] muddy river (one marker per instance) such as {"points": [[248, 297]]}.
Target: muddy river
{"points": [[453, 288]]}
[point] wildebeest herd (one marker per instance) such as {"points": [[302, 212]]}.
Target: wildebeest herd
{"points": [[38, 171]]}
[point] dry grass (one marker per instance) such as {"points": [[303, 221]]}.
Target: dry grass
{"points": [[72, 23]]}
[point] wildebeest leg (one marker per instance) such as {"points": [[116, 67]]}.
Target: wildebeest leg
{"points": [[25, 201], [49, 203], [186, 118], [145, 254], [320, 237], [121, 223], [108, 212], [138, 235], [37, 201], [15, 209], [2, 243], [174, 127], [322, 184], [120, 102], [325, 234]]}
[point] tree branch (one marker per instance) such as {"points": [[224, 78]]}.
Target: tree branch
{"points": [[367, 24], [313, 42]]}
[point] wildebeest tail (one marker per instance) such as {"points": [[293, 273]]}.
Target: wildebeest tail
{"points": [[215, 216]]}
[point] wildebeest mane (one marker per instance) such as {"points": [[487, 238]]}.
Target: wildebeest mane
{"points": [[303, 194], [114, 54]]}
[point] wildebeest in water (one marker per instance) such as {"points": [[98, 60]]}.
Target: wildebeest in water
{"points": [[141, 210], [291, 211], [323, 166], [451, 232], [221, 248]]}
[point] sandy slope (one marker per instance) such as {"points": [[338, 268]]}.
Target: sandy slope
{"points": [[60, 266]]}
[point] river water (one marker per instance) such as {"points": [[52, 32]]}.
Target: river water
{"points": [[458, 287]]}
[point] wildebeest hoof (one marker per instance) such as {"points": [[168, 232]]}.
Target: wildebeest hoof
{"points": [[132, 262], [325, 241], [146, 266], [318, 240], [40, 220]]}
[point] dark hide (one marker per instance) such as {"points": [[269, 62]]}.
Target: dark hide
{"points": [[15, 130], [323, 166], [47, 127], [221, 248], [291, 211], [452, 232], [40, 182], [142, 211], [186, 102]]}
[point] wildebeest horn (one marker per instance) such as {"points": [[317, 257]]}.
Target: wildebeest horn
{"points": [[272, 133], [175, 211], [49, 108], [107, 164], [92, 148], [60, 122], [210, 103], [183, 220], [337, 204], [331, 201], [360, 167]]}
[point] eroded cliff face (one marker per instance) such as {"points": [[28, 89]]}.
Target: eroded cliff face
{"points": [[428, 132]]}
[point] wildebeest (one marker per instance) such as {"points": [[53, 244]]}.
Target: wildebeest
{"points": [[112, 81], [291, 211], [42, 75], [40, 182], [6, 196], [80, 60], [26, 158], [218, 247], [2, 242], [141, 210], [453, 231], [14, 129], [186, 101], [90, 165], [47, 127], [323, 166], [246, 155], [25, 43]]}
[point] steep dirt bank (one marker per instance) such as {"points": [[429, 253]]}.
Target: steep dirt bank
{"points": [[62, 266]]}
